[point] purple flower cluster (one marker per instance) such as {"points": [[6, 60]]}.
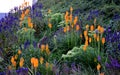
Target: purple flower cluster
{"points": [[22, 71], [93, 14], [36, 11], [113, 64], [64, 69]]}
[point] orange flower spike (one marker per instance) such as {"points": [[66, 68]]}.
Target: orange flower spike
{"points": [[35, 63], [19, 52], [31, 25], [70, 18], [86, 38], [98, 67], [95, 36], [27, 11], [84, 47], [29, 19], [68, 28], [47, 65], [75, 20], [91, 27], [67, 13], [85, 33], [14, 63], [86, 43], [50, 25], [77, 27], [64, 29], [22, 16], [87, 26], [41, 60], [21, 62], [32, 60], [12, 59], [42, 47], [103, 40], [101, 29], [98, 38], [102, 73], [98, 28], [90, 39]]}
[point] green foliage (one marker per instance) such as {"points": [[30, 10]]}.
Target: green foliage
{"points": [[86, 58], [56, 18], [25, 34]]}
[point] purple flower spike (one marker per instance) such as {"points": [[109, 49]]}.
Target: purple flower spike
{"points": [[99, 58]]}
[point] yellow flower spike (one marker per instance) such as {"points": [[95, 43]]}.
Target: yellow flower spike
{"points": [[95, 60], [35, 63], [9, 67], [90, 39], [19, 52], [16, 56], [48, 51], [50, 25], [103, 40], [22, 59], [42, 47], [46, 47], [41, 60], [47, 65], [20, 24], [87, 26], [98, 38], [51, 66], [77, 27], [94, 21], [91, 27], [80, 35], [49, 11], [84, 47], [72, 25], [98, 67], [25, 29], [71, 9]]}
